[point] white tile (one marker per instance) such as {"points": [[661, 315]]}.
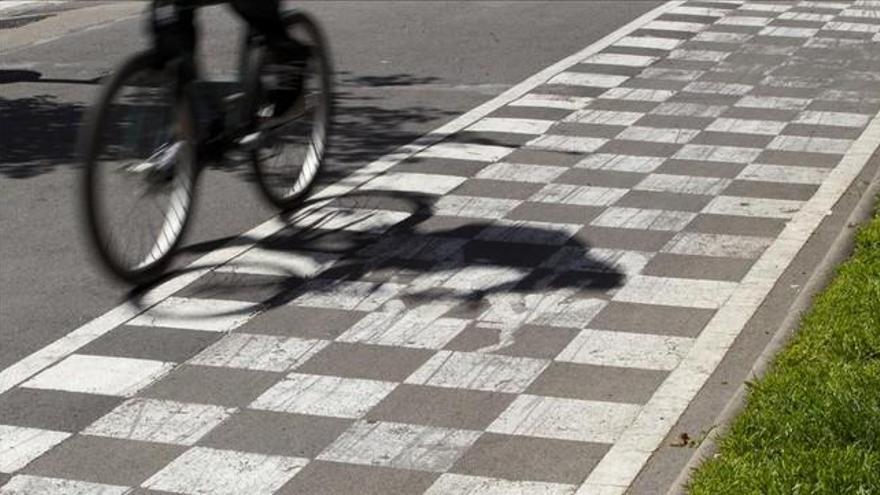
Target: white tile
{"points": [[24, 484], [626, 350], [712, 153], [824, 5], [620, 59], [699, 55], [552, 307], [788, 32], [689, 109], [565, 419], [454, 205], [258, 352], [837, 119], [350, 219], [466, 151], [606, 117], [852, 27], [162, 421], [643, 219], [667, 291], [688, 27], [460, 484], [475, 371], [658, 134], [19, 445], [671, 74], [421, 327], [747, 126], [514, 126], [753, 207], [479, 278], [766, 7], [588, 79], [806, 16], [810, 144], [401, 446], [540, 100], [528, 232], [569, 194], [718, 88], [773, 102], [742, 20], [783, 173], [201, 470], [348, 295], [323, 395], [620, 163], [101, 375], [571, 144], [722, 37], [683, 184], [209, 315], [637, 94], [718, 245], [414, 183], [598, 260], [518, 172], [648, 42], [280, 263]]}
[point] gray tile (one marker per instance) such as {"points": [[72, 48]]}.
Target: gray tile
{"points": [[275, 433], [700, 169], [307, 323], [650, 319], [212, 385], [540, 157], [566, 90], [376, 362], [587, 130], [160, 344], [633, 239], [441, 166], [664, 200], [704, 98], [698, 267], [540, 113], [496, 189], [699, 19], [714, 46], [599, 383], [825, 131], [732, 139], [677, 63], [104, 460], [774, 190], [760, 114], [599, 178], [459, 227], [533, 341], [238, 287], [524, 458], [674, 121], [654, 83], [619, 70], [736, 225], [798, 158], [490, 138], [53, 409], [660, 33], [548, 212], [785, 91], [753, 59], [623, 105], [866, 106], [332, 478], [639, 148], [632, 50], [4, 478], [443, 407]]}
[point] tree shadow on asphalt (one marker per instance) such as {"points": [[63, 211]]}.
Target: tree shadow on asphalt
{"points": [[354, 238]]}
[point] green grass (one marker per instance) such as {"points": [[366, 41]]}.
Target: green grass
{"points": [[812, 424]]}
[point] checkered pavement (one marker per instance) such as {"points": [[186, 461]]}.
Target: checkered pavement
{"points": [[492, 314]]}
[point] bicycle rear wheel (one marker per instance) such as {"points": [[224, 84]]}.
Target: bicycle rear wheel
{"points": [[138, 147], [292, 141]]}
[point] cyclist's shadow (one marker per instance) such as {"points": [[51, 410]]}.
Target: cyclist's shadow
{"points": [[391, 236]]}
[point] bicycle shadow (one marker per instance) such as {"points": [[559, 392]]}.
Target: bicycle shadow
{"points": [[374, 238]]}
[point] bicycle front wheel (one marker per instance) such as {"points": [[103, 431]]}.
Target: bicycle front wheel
{"points": [[293, 130], [138, 147]]}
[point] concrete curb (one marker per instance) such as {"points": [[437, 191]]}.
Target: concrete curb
{"points": [[838, 252]]}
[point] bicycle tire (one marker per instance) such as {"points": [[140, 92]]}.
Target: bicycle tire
{"points": [[95, 141], [287, 191]]}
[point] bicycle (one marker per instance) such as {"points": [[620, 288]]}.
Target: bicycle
{"points": [[143, 140]]}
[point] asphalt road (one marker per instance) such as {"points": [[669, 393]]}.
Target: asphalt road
{"points": [[403, 69]]}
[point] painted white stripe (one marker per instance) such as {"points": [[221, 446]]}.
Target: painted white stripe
{"points": [[461, 484], [542, 100], [565, 419], [681, 292], [323, 395], [658, 134], [625, 349], [718, 245], [103, 375], [712, 153], [518, 172], [689, 27], [810, 144], [783, 173], [588, 79], [682, 184], [210, 315], [514, 126], [837, 119], [753, 207], [604, 117], [649, 42], [19, 446], [773, 102], [620, 59], [621, 163], [573, 144], [466, 151], [38, 485], [643, 219], [720, 88], [637, 94], [747, 126], [788, 32]]}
